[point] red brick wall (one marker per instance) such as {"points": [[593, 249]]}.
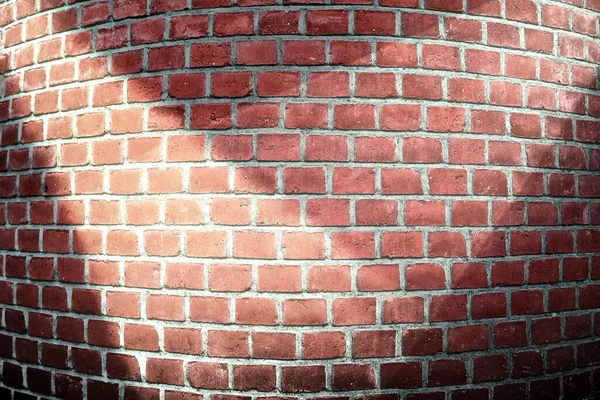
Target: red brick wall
{"points": [[299, 199]]}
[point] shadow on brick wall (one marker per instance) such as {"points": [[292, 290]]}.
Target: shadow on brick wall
{"points": [[69, 303]]}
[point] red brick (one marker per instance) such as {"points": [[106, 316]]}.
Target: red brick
{"points": [[183, 211], [180, 340], [255, 180], [403, 310], [570, 46], [116, 36], [279, 279], [379, 23], [425, 276], [418, 342], [353, 245], [391, 54], [448, 308], [229, 277], [304, 180], [422, 86], [256, 311], [208, 375], [378, 85], [187, 86], [468, 338], [275, 147], [328, 212], [330, 22], [490, 182], [440, 57], [303, 378], [209, 309], [141, 337], [378, 278], [258, 115], [306, 115], [490, 368], [504, 153], [420, 25], [503, 35], [229, 24], [466, 90], [329, 279], [402, 244], [164, 371], [305, 52], [254, 377], [525, 125], [301, 245], [165, 180], [164, 118], [424, 213], [354, 116], [323, 344], [163, 307], [376, 212], [123, 304], [305, 312], [256, 52], [254, 245], [279, 346], [162, 58], [353, 377], [375, 149], [188, 26], [278, 212], [464, 30], [400, 117], [483, 61], [447, 181], [401, 375], [489, 305], [369, 344], [350, 53], [207, 54], [278, 23], [276, 84], [147, 31], [469, 213], [422, 150], [354, 311]]}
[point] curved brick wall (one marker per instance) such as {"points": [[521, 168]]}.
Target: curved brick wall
{"points": [[300, 200]]}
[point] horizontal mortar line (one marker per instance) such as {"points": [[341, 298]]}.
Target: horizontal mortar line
{"points": [[202, 227], [299, 329], [305, 295], [399, 72], [143, 257], [299, 36], [374, 364], [257, 10], [187, 43], [376, 103], [283, 165]]}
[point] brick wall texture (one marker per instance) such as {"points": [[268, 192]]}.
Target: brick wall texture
{"points": [[299, 199]]}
